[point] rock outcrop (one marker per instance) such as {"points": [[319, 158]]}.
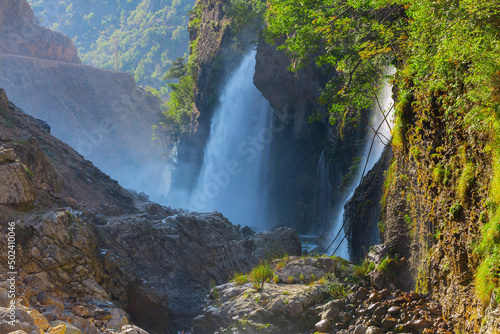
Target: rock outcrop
{"points": [[16, 186], [180, 253], [333, 303], [102, 114], [298, 145], [362, 221], [23, 36], [218, 51]]}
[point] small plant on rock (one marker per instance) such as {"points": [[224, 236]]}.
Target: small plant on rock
{"points": [[240, 279], [260, 274]]}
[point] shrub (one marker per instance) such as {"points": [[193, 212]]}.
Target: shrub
{"points": [[260, 274], [240, 279]]}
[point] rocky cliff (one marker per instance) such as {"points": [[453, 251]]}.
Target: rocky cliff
{"points": [[218, 49], [439, 199], [102, 114], [94, 256], [297, 147], [23, 36], [362, 220]]}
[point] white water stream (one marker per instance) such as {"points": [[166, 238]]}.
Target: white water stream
{"points": [[381, 107], [232, 179]]}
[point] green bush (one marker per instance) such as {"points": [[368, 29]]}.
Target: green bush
{"points": [[260, 274]]}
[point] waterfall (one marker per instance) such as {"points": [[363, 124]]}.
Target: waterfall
{"points": [[383, 104], [232, 179], [322, 192]]}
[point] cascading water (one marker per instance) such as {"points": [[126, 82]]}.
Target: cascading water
{"points": [[232, 178], [371, 154], [322, 192]]}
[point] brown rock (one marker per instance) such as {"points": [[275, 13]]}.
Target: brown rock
{"points": [[323, 325], [57, 329], [394, 310], [374, 330], [379, 313], [16, 186], [372, 323], [68, 328], [296, 308], [384, 293], [34, 41], [39, 319], [7, 156], [100, 314], [388, 323], [420, 324], [372, 307], [131, 329], [81, 311], [373, 297], [4, 101], [361, 294], [46, 299]]}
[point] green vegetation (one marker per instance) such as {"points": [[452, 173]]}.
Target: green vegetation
{"points": [[337, 290], [260, 274], [240, 278], [139, 37], [466, 180], [354, 39], [247, 14], [214, 292]]}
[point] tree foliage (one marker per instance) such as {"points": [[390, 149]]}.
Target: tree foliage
{"points": [[355, 39]]}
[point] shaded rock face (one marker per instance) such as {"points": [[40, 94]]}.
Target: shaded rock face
{"points": [[294, 150], [298, 143], [102, 114], [362, 212], [23, 36], [181, 253]]}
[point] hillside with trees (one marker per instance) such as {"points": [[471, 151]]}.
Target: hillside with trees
{"points": [[139, 37]]}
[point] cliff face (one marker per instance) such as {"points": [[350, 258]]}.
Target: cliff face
{"points": [[438, 200], [362, 212], [23, 36], [102, 114], [299, 143]]}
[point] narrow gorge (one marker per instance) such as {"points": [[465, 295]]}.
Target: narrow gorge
{"points": [[305, 167]]}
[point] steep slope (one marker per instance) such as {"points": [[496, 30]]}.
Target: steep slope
{"points": [[100, 113], [88, 249]]}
